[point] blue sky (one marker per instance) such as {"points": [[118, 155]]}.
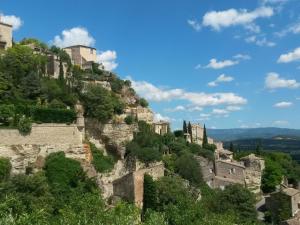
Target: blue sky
{"points": [[227, 64]]}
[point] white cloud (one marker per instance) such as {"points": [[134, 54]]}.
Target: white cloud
{"points": [[195, 25], [215, 64], [200, 99], [107, 59], [220, 112], [158, 117], [221, 79], [273, 81], [294, 29], [233, 108], [280, 123], [283, 104], [13, 20], [263, 42], [176, 109], [242, 57], [290, 57], [233, 17], [185, 108], [74, 36]]}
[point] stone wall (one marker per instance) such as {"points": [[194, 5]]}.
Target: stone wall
{"points": [[131, 186], [6, 34], [207, 169], [231, 170], [43, 134]]}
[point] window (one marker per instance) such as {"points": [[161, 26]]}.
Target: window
{"points": [[91, 51], [211, 170]]}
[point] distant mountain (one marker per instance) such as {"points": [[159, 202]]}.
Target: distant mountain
{"points": [[253, 133]]}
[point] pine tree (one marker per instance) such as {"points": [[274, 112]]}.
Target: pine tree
{"points": [[184, 127], [205, 141], [190, 131], [231, 147], [149, 193], [61, 73]]}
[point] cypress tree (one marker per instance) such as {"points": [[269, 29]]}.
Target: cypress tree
{"points": [[149, 193], [61, 73], [184, 127], [231, 147], [190, 131], [205, 141]]}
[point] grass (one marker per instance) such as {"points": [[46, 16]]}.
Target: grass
{"points": [[101, 162]]}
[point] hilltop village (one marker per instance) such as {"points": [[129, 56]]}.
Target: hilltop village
{"points": [[110, 140]]}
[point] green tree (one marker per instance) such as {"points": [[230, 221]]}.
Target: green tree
{"points": [[190, 131], [184, 128], [205, 140], [272, 176], [5, 168], [150, 196], [231, 147], [144, 102]]}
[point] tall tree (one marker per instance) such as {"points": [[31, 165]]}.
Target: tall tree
{"points": [[184, 129], [205, 141], [150, 196], [190, 131], [231, 147]]}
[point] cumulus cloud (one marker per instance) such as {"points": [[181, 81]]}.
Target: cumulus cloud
{"points": [[283, 104], [290, 57], [74, 36], [220, 112], [200, 99], [221, 79], [274, 81], [195, 25], [185, 108], [158, 117], [108, 59], [262, 42], [233, 17], [242, 57], [215, 64], [13, 20]]}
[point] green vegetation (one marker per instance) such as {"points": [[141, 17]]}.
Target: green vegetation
{"points": [[101, 162], [5, 168], [129, 120]]}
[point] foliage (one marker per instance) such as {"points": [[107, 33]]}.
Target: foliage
{"points": [[129, 120], [5, 168], [150, 198], [24, 125], [280, 208], [143, 102], [53, 115], [101, 162], [99, 103], [178, 133], [205, 140], [184, 127], [188, 168], [6, 114], [272, 176]]}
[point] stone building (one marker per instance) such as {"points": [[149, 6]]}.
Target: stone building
{"points": [[140, 113], [131, 186], [5, 35], [53, 66], [161, 127], [82, 56], [291, 197]]}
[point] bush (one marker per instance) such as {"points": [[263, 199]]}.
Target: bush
{"points": [[49, 115], [63, 171], [148, 154], [101, 162], [188, 168], [7, 113], [129, 120], [144, 102], [57, 104], [5, 168], [24, 125]]}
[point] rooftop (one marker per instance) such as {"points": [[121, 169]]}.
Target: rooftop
{"points": [[5, 24], [82, 46]]}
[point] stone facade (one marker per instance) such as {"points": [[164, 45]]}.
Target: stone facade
{"points": [[161, 127], [82, 55], [5, 35], [131, 186], [254, 167], [141, 114], [53, 67], [113, 136], [105, 84]]}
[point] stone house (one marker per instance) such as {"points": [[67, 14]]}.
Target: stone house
{"points": [[53, 66], [161, 127], [131, 186], [140, 113], [82, 56], [5, 35]]}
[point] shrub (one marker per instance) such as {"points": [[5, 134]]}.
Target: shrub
{"points": [[101, 162], [57, 104], [63, 171], [48, 115], [150, 197], [6, 113], [144, 102], [188, 168], [5, 168], [129, 120], [24, 125]]}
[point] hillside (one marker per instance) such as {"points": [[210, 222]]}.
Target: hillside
{"points": [[249, 133]]}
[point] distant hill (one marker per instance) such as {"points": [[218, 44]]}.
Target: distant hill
{"points": [[253, 133]]}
